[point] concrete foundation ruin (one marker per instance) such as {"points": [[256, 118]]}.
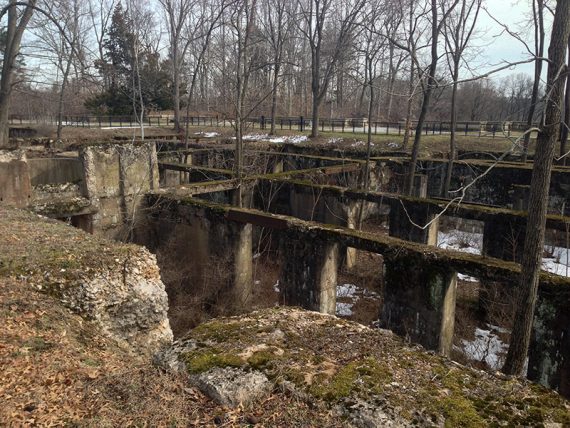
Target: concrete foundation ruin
{"points": [[183, 199]]}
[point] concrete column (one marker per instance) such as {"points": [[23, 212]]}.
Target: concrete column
{"points": [[421, 214], [309, 274], [243, 263], [503, 238], [419, 302], [420, 186], [278, 166], [549, 352], [520, 197]]}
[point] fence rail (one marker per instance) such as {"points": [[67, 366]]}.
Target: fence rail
{"points": [[298, 123]]}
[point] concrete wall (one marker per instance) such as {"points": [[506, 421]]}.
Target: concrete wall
{"points": [[56, 171], [420, 285], [117, 176], [503, 186], [212, 256], [419, 302], [549, 353], [15, 184]]}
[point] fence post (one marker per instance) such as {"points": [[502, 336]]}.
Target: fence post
{"points": [[301, 123], [466, 128]]}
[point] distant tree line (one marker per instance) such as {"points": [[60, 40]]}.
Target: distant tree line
{"points": [[127, 45]]}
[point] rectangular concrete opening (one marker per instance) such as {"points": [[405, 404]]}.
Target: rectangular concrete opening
{"points": [[360, 288], [483, 322]]}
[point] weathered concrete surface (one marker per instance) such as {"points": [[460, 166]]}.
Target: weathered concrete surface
{"points": [[419, 302], [115, 285], [309, 273], [117, 176], [420, 291], [368, 375], [549, 353], [497, 188], [232, 386], [408, 221], [15, 184], [213, 254], [57, 171], [503, 237]]}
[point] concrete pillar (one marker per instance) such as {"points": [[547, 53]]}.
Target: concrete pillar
{"points": [[520, 197], [243, 263], [549, 352], [309, 274], [419, 302], [421, 214], [503, 238], [420, 186], [278, 166]]}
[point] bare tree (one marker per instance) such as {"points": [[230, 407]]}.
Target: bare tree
{"points": [[372, 48], [566, 121], [458, 30], [66, 46], [539, 189], [19, 15], [200, 29], [538, 21], [177, 12], [242, 21], [101, 12], [278, 23], [314, 18], [436, 27]]}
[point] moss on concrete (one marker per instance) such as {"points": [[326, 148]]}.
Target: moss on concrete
{"points": [[334, 360]]}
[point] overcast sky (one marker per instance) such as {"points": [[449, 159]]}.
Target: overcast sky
{"points": [[498, 48]]}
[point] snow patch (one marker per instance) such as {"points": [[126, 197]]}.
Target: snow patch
{"points": [[466, 278], [293, 139], [207, 134], [487, 347], [558, 261], [460, 241], [343, 309]]}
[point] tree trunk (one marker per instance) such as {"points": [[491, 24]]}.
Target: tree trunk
{"points": [[274, 95], [368, 142], [60, 101], [539, 43], [452, 143], [14, 32], [566, 122], [409, 108], [538, 200], [176, 90], [430, 83], [315, 89]]}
